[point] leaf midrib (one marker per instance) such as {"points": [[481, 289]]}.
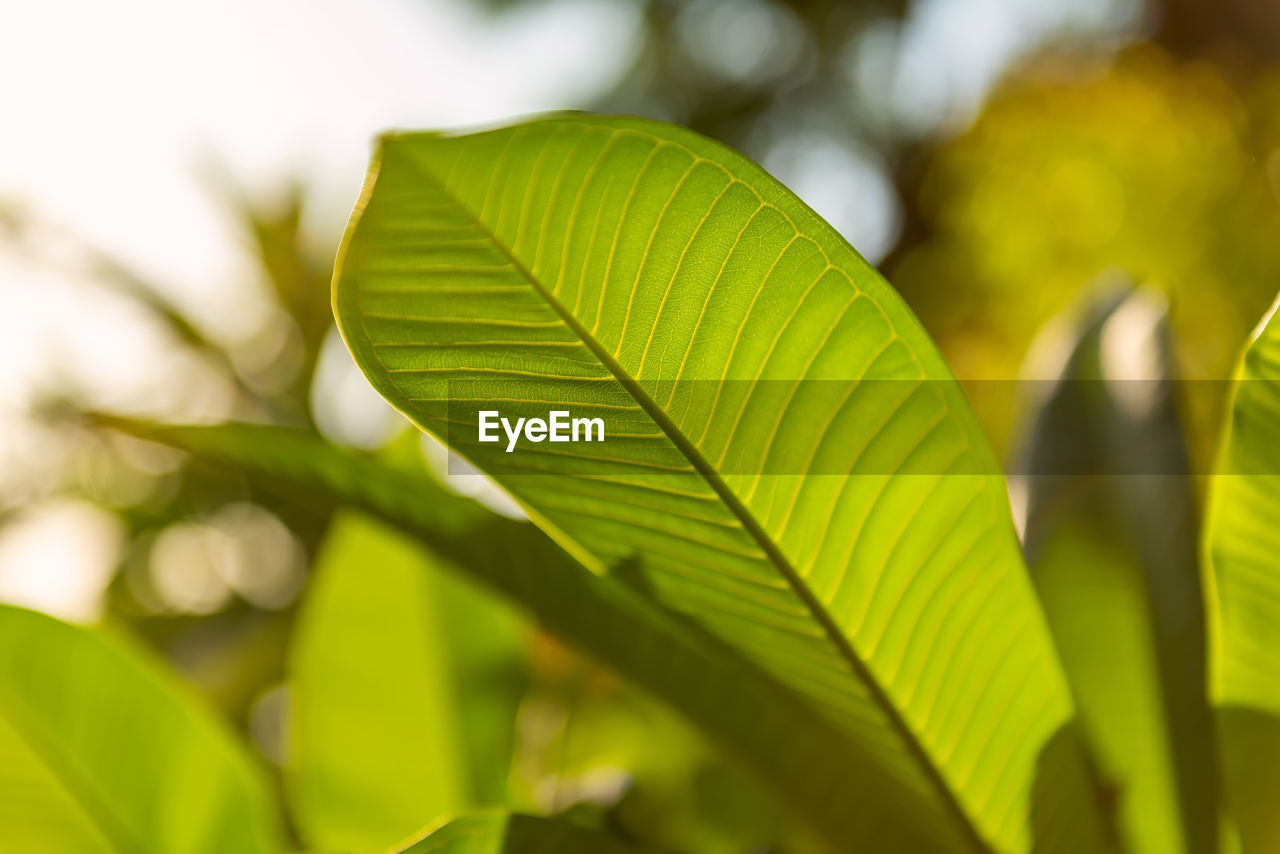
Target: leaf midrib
{"points": [[739, 510]]}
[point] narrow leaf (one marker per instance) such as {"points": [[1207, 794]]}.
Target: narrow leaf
{"points": [[1242, 543], [1111, 536]]}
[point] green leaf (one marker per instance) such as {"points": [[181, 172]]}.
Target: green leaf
{"points": [[506, 833], [1242, 543], [404, 692], [811, 768], [1111, 536], [102, 750], [637, 272]]}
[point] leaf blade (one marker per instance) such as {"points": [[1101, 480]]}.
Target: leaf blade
{"points": [[149, 770], [1241, 544], [809, 766], [1111, 537], [781, 593], [376, 693]]}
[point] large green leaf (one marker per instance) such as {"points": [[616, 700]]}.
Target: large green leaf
{"points": [[404, 692], [814, 770], [1111, 537], [506, 833], [1242, 543], [102, 751], [733, 343]]}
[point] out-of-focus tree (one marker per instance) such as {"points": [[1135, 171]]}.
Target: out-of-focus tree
{"points": [[1155, 166]]}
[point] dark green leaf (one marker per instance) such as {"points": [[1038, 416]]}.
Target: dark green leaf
{"points": [[504, 833], [813, 769], [1111, 536]]}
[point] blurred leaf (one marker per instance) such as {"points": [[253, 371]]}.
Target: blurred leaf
{"points": [[701, 806], [1242, 544], [573, 260], [404, 685], [810, 767], [588, 740], [506, 833], [1112, 543], [102, 750]]}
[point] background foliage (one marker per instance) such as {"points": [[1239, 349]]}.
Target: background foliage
{"points": [[1137, 139]]}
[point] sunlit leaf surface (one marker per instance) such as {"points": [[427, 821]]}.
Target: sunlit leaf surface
{"points": [[597, 264]]}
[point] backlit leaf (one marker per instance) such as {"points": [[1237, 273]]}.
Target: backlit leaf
{"points": [[1242, 542], [735, 346]]}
